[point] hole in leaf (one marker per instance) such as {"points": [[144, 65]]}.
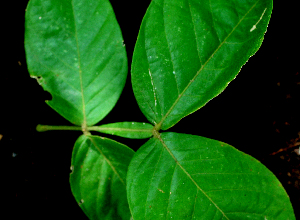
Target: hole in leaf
{"points": [[39, 79], [72, 169], [47, 96], [80, 202]]}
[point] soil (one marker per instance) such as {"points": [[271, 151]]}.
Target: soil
{"points": [[258, 114]]}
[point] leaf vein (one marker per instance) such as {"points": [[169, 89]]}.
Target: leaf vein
{"points": [[194, 31], [53, 72], [92, 61], [107, 161], [168, 212], [152, 178], [172, 61], [80, 70]]}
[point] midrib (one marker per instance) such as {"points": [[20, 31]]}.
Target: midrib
{"points": [[106, 159], [84, 123], [157, 135]]}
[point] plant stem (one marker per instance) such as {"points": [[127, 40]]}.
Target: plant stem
{"points": [[41, 128], [101, 129]]}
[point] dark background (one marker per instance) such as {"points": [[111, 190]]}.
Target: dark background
{"points": [[258, 114]]}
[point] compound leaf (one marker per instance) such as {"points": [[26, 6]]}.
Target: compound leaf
{"points": [[74, 48], [179, 176], [188, 51], [98, 178]]}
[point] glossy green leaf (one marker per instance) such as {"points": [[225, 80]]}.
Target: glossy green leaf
{"points": [[179, 176], [188, 51], [134, 130], [74, 48], [98, 177]]}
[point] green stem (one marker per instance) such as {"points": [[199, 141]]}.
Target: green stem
{"points": [[101, 129], [41, 128]]}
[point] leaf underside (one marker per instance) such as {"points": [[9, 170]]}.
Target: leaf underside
{"points": [[188, 51], [180, 176], [99, 168], [74, 48]]}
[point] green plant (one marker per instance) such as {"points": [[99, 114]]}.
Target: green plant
{"points": [[186, 54]]}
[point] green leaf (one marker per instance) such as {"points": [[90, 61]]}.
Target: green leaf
{"points": [[180, 176], [98, 177], [188, 51], [134, 130], [74, 48]]}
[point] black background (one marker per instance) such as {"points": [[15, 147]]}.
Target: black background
{"points": [[258, 114]]}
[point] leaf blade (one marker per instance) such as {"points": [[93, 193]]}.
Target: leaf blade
{"points": [[75, 50], [183, 176], [98, 177], [187, 53]]}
